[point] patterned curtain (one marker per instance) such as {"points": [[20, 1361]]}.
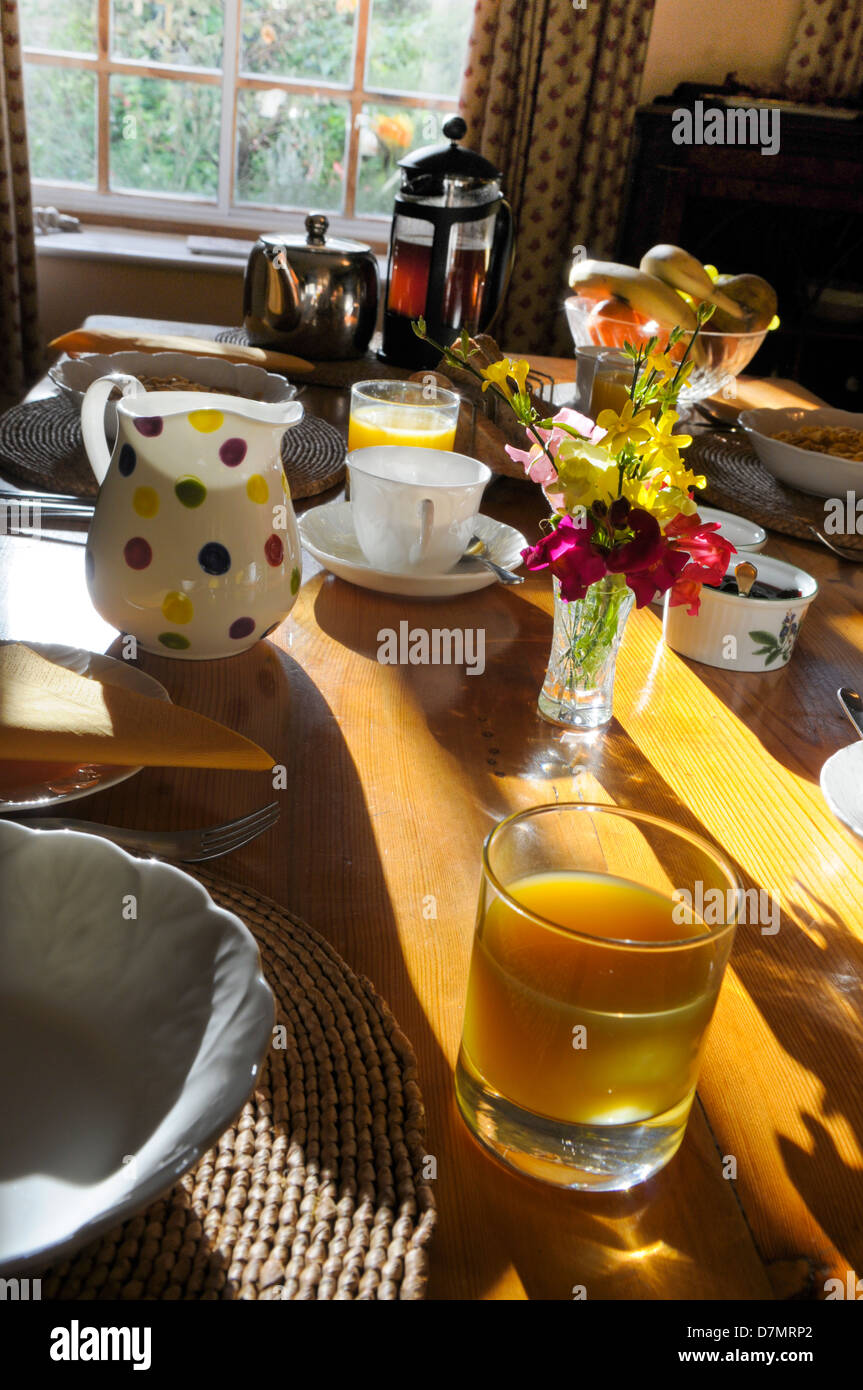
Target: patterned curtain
{"points": [[826, 57], [549, 95], [20, 348]]}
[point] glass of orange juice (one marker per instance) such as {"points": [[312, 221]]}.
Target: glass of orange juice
{"points": [[418, 413], [600, 945]]}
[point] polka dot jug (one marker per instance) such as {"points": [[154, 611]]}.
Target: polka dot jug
{"points": [[193, 548]]}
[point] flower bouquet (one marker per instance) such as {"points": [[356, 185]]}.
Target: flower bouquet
{"points": [[624, 526]]}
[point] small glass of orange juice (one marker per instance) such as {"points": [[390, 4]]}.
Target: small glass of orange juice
{"points": [[418, 413], [600, 946]]}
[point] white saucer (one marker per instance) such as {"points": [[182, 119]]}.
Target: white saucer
{"points": [[743, 534], [327, 532], [842, 785]]}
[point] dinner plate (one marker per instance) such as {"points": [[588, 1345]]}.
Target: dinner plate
{"points": [[134, 1020], [842, 785], [30, 786], [327, 532]]}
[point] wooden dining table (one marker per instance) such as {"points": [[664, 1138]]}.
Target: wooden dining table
{"points": [[395, 774]]}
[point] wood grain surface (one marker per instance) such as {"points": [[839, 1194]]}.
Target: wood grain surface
{"points": [[395, 775]]}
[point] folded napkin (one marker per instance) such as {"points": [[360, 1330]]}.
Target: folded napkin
{"points": [[47, 712]]}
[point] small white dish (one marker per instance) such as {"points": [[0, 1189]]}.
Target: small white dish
{"points": [[743, 534], [819, 475], [842, 785], [742, 634], [327, 532], [135, 1019], [32, 786]]}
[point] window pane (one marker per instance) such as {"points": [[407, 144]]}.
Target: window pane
{"points": [[418, 45], [61, 123], [291, 150], [299, 38], [188, 32], [387, 134], [69, 26], [164, 136]]}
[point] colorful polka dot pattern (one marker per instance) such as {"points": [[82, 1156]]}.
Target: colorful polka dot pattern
{"points": [[178, 608], [232, 452], [206, 421], [138, 553], [256, 488], [146, 501], [190, 491], [274, 550], [214, 558]]}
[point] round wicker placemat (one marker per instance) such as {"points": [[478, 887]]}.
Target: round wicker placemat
{"points": [[41, 447], [316, 1191], [738, 481]]}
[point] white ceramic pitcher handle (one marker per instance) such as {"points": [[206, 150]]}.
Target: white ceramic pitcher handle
{"points": [[425, 511], [93, 418]]}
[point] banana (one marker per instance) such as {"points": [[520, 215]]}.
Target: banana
{"points": [[681, 271], [647, 295]]}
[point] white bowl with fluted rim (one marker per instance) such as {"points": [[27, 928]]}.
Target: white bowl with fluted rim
{"points": [[743, 634], [72, 376], [820, 475], [134, 1019]]}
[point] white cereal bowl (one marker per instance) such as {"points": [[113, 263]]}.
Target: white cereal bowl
{"points": [[133, 1023], [820, 475], [72, 376], [742, 634]]}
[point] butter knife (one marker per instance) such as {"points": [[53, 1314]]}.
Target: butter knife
{"points": [[852, 704]]}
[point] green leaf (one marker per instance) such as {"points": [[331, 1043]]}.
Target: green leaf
{"points": [[771, 657], [419, 326], [767, 638]]}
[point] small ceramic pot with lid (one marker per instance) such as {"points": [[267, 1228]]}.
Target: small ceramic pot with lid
{"points": [[316, 296]]}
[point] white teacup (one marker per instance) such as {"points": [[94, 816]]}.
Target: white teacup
{"points": [[414, 508]]}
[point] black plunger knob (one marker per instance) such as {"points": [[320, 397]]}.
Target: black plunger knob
{"points": [[455, 128]]}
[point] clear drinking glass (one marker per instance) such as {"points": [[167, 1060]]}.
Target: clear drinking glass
{"points": [[601, 941], [416, 413]]}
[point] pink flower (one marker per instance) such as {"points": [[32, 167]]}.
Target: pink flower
{"points": [[535, 461], [568, 553]]}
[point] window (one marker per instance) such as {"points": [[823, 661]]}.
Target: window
{"points": [[202, 111]]}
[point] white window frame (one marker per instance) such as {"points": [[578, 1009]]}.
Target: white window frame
{"points": [[219, 216]]}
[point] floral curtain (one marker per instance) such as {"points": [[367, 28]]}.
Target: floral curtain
{"points": [[20, 349], [826, 57], [549, 95]]}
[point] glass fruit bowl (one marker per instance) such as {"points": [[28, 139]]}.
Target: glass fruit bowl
{"points": [[719, 357]]}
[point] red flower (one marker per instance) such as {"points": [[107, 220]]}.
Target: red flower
{"points": [[644, 550], [568, 553], [708, 556]]}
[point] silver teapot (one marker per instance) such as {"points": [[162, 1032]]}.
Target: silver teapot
{"points": [[316, 297]]}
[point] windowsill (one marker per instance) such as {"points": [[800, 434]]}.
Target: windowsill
{"points": [[163, 249], [119, 244]]}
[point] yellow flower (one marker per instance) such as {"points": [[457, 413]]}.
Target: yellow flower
{"points": [[661, 363], [623, 428], [663, 447], [585, 474], [268, 33], [501, 373], [496, 375]]}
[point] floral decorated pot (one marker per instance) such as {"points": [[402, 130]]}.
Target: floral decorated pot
{"points": [[743, 634]]}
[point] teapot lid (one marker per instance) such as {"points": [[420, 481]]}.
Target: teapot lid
{"points": [[450, 161], [316, 239]]}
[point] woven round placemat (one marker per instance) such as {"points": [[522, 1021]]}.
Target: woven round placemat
{"points": [[738, 481], [316, 1191], [41, 447]]}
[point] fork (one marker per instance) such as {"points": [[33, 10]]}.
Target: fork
{"points": [[187, 846], [855, 557]]}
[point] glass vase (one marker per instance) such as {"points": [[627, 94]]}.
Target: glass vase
{"points": [[578, 689]]}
